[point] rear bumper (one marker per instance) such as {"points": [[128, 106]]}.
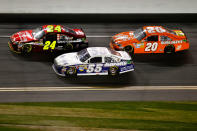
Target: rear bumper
{"points": [[183, 47]]}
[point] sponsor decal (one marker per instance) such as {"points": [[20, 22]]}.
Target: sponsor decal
{"points": [[63, 37], [22, 36], [123, 37], [161, 50], [123, 63], [115, 64], [37, 43], [82, 67], [79, 32], [179, 33], [126, 68], [139, 45], [128, 62], [172, 42], [116, 58], [179, 47]]}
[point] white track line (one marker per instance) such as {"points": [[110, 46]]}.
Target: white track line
{"points": [[4, 36], [89, 36], [99, 36], [22, 89]]}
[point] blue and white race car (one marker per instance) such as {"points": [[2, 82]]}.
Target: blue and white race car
{"points": [[93, 61]]}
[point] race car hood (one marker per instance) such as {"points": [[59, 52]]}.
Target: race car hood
{"points": [[67, 59], [124, 36], [124, 55], [23, 36]]}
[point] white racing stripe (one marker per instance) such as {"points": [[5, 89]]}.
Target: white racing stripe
{"points": [[93, 36], [24, 89]]}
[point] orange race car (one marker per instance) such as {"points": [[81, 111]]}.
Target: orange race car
{"points": [[150, 39]]}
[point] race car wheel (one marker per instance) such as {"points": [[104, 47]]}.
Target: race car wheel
{"points": [[71, 71], [114, 71], [83, 45], [129, 50], [169, 49], [68, 46], [26, 49]]}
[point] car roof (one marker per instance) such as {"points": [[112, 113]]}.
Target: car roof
{"points": [[98, 51], [156, 30], [63, 29]]}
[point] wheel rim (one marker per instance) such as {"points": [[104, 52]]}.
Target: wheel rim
{"points": [[169, 49], [113, 71], [68, 47], [83, 46], [71, 71], [129, 50], [27, 48]]}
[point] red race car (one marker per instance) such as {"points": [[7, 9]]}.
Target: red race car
{"points": [[48, 38], [150, 39]]}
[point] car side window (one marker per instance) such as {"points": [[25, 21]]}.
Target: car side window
{"points": [[152, 38], [51, 37], [109, 60], [96, 60], [165, 38]]}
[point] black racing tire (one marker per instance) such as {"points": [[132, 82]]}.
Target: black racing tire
{"points": [[26, 49], [83, 45], [71, 71], [13, 48], [169, 49], [130, 50], [113, 71]]}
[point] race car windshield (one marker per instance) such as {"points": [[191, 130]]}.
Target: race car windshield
{"points": [[171, 32], [83, 55], [139, 34], [38, 33], [114, 52], [69, 30]]}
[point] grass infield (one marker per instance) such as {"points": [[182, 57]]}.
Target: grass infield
{"points": [[109, 116]]}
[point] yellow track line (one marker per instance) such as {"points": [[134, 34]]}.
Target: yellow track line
{"points": [[21, 89]]}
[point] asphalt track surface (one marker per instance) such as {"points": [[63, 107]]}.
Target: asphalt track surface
{"points": [[150, 69]]}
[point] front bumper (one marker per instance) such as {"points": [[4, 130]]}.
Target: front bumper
{"points": [[10, 45], [56, 71], [115, 47], [111, 46]]}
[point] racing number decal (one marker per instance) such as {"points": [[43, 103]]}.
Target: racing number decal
{"points": [[151, 46], [58, 28], [155, 30], [50, 28], [48, 45], [94, 69]]}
